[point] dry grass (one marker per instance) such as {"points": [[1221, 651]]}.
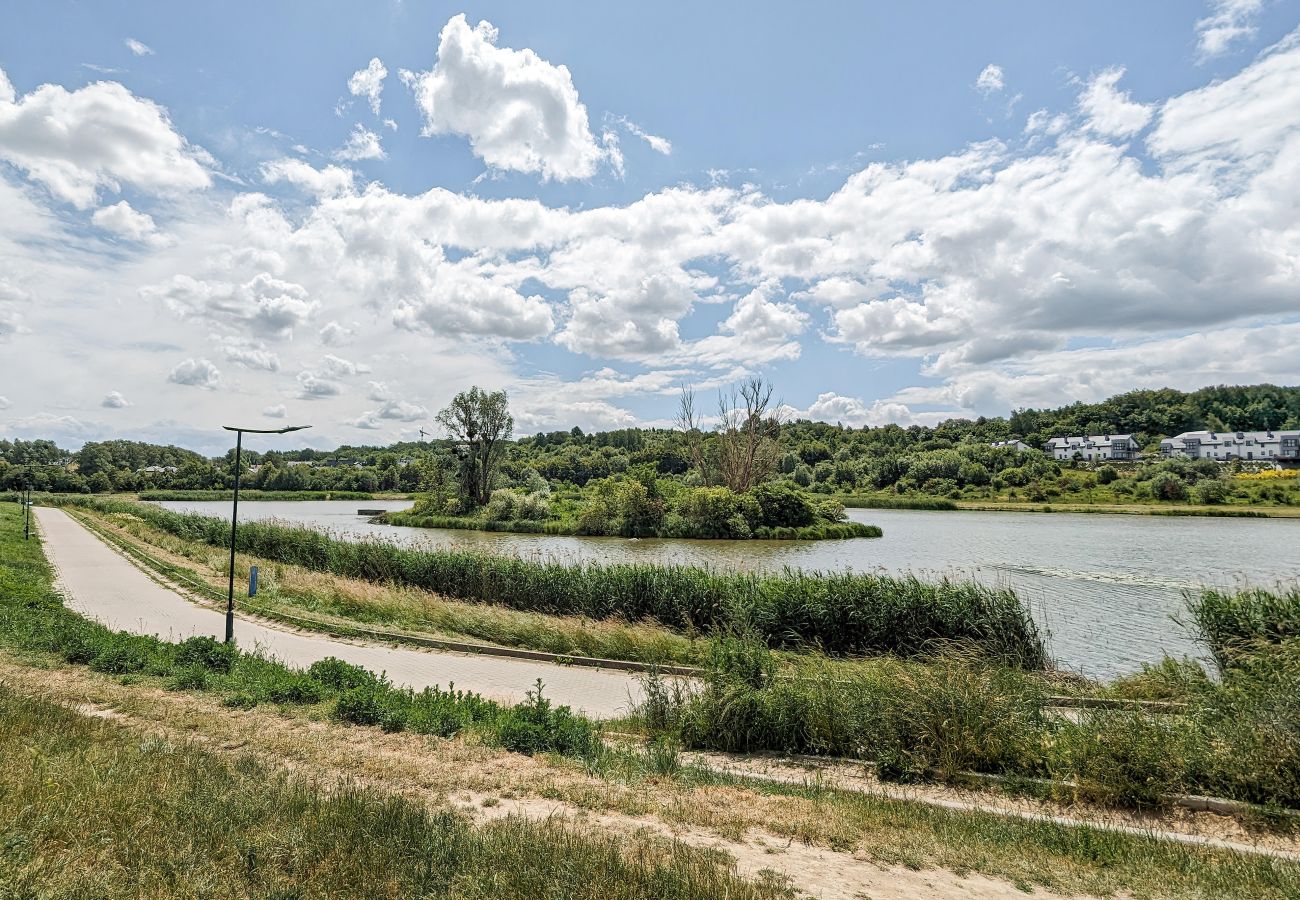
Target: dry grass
{"points": [[856, 828]]}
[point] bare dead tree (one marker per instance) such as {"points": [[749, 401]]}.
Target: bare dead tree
{"points": [[749, 425], [688, 422]]}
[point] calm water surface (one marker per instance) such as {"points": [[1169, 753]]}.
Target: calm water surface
{"points": [[1107, 588]]}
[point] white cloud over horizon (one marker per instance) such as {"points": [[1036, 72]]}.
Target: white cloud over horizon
{"points": [[1119, 243]]}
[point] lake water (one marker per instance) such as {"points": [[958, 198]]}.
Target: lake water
{"points": [[1106, 588]]}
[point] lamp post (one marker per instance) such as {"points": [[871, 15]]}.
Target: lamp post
{"points": [[234, 514]]}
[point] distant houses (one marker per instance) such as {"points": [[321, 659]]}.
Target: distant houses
{"points": [[1272, 446], [1017, 445], [1093, 447]]}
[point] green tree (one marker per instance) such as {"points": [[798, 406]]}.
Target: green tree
{"points": [[781, 504], [479, 423]]}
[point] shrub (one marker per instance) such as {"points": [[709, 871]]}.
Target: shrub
{"points": [[193, 677], [295, 688], [535, 726], [206, 653], [1167, 486], [782, 504], [1210, 491], [375, 703], [717, 512], [1107, 475], [338, 675], [119, 653]]}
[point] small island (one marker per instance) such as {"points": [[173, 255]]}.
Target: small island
{"points": [[722, 485]]}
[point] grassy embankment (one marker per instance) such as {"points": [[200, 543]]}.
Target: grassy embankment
{"points": [[92, 810], [837, 613], [34, 618], [1235, 736], [131, 817]]}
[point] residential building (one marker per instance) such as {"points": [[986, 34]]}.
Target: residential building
{"points": [[1014, 445], [1093, 447], [1272, 446]]}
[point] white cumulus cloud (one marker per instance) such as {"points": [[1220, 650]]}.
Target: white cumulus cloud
{"points": [[99, 137], [362, 144], [123, 220], [991, 80], [1109, 110], [519, 111], [196, 373], [139, 48], [369, 83]]}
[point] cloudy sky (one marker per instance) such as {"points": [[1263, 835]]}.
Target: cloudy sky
{"points": [[341, 214]]}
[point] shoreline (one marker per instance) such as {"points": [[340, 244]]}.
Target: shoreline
{"points": [[943, 504]]}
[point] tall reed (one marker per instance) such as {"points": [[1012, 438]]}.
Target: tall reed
{"points": [[836, 612]]}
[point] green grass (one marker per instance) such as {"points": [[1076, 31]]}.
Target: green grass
{"points": [[88, 809], [33, 617], [835, 612]]}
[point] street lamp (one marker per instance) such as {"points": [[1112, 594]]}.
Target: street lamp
{"points": [[234, 514]]}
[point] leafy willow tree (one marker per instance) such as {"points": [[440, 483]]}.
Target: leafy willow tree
{"points": [[479, 424]]}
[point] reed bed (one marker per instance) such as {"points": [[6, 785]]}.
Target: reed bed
{"points": [[1235, 736], [844, 613], [1233, 624]]}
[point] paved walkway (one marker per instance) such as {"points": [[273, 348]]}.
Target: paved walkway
{"points": [[100, 583]]}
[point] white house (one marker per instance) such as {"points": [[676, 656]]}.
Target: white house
{"points": [[1093, 447], [1281, 446], [1020, 446]]}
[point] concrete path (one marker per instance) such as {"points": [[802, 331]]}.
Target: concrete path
{"points": [[100, 583]]}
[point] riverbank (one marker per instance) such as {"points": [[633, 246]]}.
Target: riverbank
{"points": [[255, 494], [894, 501]]}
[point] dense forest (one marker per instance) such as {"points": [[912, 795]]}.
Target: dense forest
{"points": [[952, 459]]}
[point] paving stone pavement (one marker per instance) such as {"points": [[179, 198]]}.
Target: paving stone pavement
{"points": [[100, 583]]}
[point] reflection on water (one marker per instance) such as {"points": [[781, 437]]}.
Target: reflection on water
{"points": [[1106, 587]]}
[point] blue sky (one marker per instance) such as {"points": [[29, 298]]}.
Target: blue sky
{"points": [[695, 202]]}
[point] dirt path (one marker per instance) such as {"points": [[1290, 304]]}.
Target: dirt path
{"points": [[103, 585]]}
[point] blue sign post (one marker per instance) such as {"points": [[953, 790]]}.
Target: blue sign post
{"points": [[252, 581]]}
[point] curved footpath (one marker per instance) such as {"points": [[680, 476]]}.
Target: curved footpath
{"points": [[102, 584]]}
